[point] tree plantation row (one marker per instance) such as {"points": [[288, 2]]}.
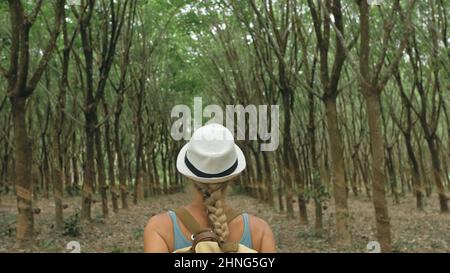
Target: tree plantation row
{"points": [[87, 88]]}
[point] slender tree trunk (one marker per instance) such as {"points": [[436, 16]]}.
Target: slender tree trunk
{"points": [[164, 173], [22, 173], [355, 178], [57, 180], [435, 162], [280, 184], [57, 166], [67, 173], [415, 176], [145, 176], [337, 177], [259, 183], [138, 187], [378, 177], [75, 172], [268, 180], [89, 172], [111, 174], [120, 158], [424, 169], [103, 188], [46, 176], [287, 153], [152, 182], [303, 213], [155, 172], [392, 175], [317, 185]]}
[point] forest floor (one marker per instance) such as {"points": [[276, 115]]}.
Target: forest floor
{"points": [[412, 231]]}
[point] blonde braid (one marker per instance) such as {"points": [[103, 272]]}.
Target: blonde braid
{"points": [[213, 196]]}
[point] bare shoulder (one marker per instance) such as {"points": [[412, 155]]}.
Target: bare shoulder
{"points": [[258, 224], [158, 222], [262, 235], [156, 234]]}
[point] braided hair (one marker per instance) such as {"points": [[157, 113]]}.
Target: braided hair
{"points": [[213, 195]]}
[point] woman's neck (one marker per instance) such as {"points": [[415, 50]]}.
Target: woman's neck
{"points": [[197, 201], [198, 205]]}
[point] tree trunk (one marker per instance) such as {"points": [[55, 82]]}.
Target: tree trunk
{"points": [[67, 173], [138, 186], [111, 174], [152, 178], [101, 172], [337, 177], [378, 178], [75, 172], [89, 172], [22, 173], [435, 162], [280, 183], [415, 176], [57, 165], [303, 213], [120, 159], [156, 175], [268, 180], [317, 185], [287, 153], [57, 180], [392, 175], [363, 174]]}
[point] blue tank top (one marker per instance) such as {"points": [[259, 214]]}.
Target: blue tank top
{"points": [[180, 241]]}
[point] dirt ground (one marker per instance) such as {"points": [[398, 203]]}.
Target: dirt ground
{"points": [[412, 231]]}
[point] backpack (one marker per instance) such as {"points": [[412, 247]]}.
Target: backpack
{"points": [[204, 240]]}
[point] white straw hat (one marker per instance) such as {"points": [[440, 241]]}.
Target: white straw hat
{"points": [[211, 156]]}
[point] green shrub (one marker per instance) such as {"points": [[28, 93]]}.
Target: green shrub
{"points": [[8, 226], [72, 225]]}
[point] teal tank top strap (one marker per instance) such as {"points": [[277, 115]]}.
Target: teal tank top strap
{"points": [[178, 238], [180, 241], [246, 238]]}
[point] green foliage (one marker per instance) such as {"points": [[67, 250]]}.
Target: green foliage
{"points": [[7, 225], [117, 249], [138, 233], [48, 244], [72, 226], [308, 233]]}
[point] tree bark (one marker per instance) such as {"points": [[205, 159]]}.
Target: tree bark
{"points": [[111, 165], [436, 165], [103, 187], [89, 171], [415, 176], [378, 177], [337, 170], [392, 175], [22, 170], [287, 153]]}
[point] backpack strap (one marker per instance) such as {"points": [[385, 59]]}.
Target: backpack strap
{"points": [[231, 214], [189, 221], [206, 234]]}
